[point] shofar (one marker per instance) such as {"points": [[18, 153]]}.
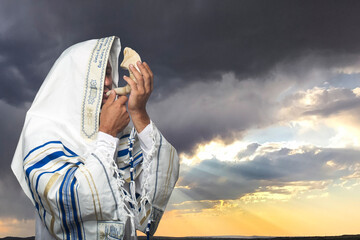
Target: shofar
{"points": [[130, 57]]}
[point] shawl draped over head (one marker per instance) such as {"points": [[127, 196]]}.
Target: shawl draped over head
{"points": [[66, 108], [78, 190]]}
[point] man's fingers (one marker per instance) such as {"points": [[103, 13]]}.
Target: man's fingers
{"points": [[122, 100], [111, 98], [148, 69], [131, 82], [143, 70], [146, 76], [151, 75], [138, 76]]}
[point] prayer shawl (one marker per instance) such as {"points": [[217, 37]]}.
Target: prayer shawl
{"points": [[78, 190]]}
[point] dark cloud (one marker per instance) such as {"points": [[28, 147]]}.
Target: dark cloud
{"points": [[183, 41], [250, 149], [11, 127], [14, 203], [225, 108], [214, 180]]}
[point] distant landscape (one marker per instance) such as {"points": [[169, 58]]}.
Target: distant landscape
{"points": [[347, 237]]}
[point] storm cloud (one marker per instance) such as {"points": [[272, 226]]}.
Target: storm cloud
{"points": [[183, 42]]}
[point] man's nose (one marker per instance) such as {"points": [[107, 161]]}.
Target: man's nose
{"points": [[108, 81]]}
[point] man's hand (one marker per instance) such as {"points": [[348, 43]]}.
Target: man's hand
{"points": [[114, 117], [140, 93]]}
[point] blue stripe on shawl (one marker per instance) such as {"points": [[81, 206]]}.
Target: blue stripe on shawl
{"points": [[62, 208], [42, 163], [69, 213], [38, 178], [64, 191], [37, 183], [67, 186], [73, 203], [138, 156], [72, 219], [125, 136], [136, 163], [47, 143], [122, 153], [46, 160]]}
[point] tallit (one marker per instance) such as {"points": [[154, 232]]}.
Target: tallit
{"points": [[78, 189]]}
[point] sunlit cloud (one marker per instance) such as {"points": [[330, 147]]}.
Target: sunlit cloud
{"points": [[269, 171], [286, 192], [214, 149]]}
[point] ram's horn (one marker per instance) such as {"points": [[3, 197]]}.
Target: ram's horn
{"points": [[130, 57], [121, 90]]}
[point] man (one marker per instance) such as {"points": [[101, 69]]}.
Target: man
{"points": [[89, 174]]}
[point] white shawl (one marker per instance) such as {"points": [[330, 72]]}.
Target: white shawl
{"points": [[77, 188]]}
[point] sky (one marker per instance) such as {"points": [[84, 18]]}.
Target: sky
{"points": [[261, 99]]}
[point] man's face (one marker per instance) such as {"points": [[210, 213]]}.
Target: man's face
{"points": [[107, 83]]}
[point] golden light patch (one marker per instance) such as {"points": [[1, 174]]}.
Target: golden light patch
{"points": [[325, 213], [183, 187], [323, 195], [331, 163], [286, 192], [18, 227], [214, 149], [264, 196], [356, 91], [296, 151]]}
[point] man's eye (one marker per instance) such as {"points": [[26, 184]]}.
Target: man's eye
{"points": [[108, 73]]}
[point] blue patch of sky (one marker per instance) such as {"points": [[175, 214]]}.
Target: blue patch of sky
{"points": [[318, 136], [343, 80], [270, 134]]}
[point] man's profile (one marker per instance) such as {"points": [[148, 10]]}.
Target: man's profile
{"points": [[88, 174]]}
